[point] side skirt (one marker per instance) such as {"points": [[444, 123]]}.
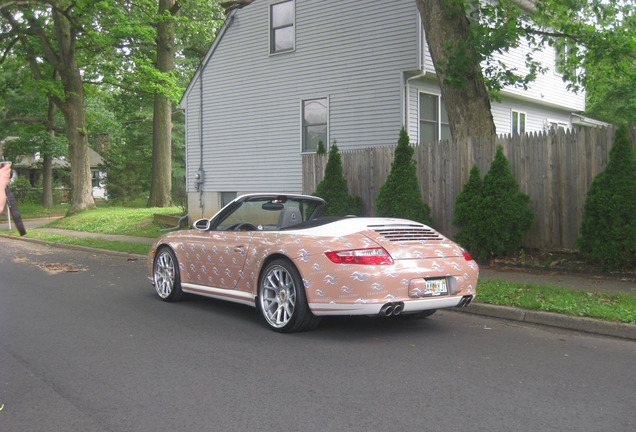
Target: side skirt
{"points": [[222, 294]]}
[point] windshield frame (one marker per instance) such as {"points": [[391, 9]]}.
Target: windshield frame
{"points": [[217, 221]]}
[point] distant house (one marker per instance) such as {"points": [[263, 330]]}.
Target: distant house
{"points": [[30, 167], [283, 75]]}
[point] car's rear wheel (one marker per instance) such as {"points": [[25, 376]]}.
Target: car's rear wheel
{"points": [[281, 298], [166, 275]]}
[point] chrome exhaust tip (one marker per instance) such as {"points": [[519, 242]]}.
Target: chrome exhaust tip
{"points": [[392, 309], [465, 301], [387, 310], [398, 308]]}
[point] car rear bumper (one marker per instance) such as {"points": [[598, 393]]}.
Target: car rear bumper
{"points": [[406, 307]]}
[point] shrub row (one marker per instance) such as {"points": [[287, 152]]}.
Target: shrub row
{"points": [[493, 216]]}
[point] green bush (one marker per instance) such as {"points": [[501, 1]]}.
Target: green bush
{"points": [[466, 217], [321, 149], [608, 229], [333, 189], [400, 196], [493, 216], [24, 192]]}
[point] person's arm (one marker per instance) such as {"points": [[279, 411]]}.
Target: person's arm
{"points": [[5, 175]]}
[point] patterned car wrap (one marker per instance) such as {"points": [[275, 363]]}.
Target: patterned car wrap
{"points": [[228, 264]]}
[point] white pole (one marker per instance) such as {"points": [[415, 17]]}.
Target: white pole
{"points": [[9, 216]]}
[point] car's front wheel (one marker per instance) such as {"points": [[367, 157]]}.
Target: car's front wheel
{"points": [[282, 300], [166, 275]]}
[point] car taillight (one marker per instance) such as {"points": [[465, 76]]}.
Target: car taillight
{"points": [[375, 256], [467, 256]]}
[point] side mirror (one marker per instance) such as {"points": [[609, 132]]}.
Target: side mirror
{"points": [[202, 224]]}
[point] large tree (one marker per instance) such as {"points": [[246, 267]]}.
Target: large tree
{"points": [[463, 88], [161, 190], [466, 35], [49, 30], [30, 117]]}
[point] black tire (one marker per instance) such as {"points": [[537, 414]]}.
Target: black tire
{"points": [[281, 299], [418, 315], [166, 275]]}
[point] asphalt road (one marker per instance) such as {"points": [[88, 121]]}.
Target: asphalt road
{"points": [[90, 348]]}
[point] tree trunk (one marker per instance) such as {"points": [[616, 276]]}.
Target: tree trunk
{"points": [[73, 108], [47, 163], [467, 106], [161, 186]]}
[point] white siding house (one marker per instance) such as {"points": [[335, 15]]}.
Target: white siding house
{"points": [[283, 74]]}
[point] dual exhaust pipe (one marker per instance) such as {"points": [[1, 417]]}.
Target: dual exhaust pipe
{"points": [[392, 309], [396, 308], [465, 301]]}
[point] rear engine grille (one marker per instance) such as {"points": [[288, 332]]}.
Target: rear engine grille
{"points": [[408, 234]]}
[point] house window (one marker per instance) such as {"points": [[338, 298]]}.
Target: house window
{"points": [[433, 119], [226, 198], [281, 33], [314, 115], [560, 58], [518, 123], [556, 125]]}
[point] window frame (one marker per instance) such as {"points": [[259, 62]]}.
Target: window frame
{"points": [[303, 125], [272, 29], [439, 122], [515, 123]]}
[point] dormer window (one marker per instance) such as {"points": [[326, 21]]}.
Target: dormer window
{"points": [[281, 34]]}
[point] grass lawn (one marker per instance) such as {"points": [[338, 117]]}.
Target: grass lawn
{"points": [[35, 211], [116, 220], [135, 248], [609, 307]]}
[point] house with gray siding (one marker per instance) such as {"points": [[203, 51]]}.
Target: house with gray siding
{"points": [[283, 75]]}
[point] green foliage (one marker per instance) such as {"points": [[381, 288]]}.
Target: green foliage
{"points": [[400, 196], [592, 35], [608, 230], [493, 216], [466, 216], [333, 189], [321, 149], [612, 98]]}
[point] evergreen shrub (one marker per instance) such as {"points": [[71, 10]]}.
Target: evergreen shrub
{"points": [[608, 229], [466, 215], [333, 189], [493, 216], [321, 149], [400, 196]]}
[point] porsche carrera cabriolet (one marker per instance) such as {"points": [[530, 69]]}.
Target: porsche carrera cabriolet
{"points": [[276, 252]]}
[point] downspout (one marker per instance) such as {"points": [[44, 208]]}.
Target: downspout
{"points": [[406, 99], [199, 175], [422, 69]]}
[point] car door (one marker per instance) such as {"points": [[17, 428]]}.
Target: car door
{"points": [[215, 259]]}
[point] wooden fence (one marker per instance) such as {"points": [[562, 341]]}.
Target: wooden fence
{"points": [[554, 168]]}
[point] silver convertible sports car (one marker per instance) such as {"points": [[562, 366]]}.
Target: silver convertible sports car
{"points": [[276, 253]]}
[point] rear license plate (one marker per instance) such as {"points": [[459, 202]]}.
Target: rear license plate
{"points": [[435, 287]]}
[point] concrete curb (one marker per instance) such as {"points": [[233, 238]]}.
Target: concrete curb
{"points": [[588, 325]]}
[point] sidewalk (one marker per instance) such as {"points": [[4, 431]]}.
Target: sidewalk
{"points": [[590, 283]]}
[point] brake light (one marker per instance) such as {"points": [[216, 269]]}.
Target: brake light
{"points": [[375, 256], [467, 256]]}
